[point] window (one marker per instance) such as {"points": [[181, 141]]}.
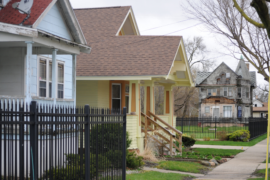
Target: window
{"points": [[207, 109], [60, 81], [228, 75], [239, 112], [239, 93], [45, 78], [127, 103], [42, 78], [261, 115], [230, 91], [225, 91], [227, 111], [255, 105], [209, 92], [116, 97], [127, 88], [214, 90]]}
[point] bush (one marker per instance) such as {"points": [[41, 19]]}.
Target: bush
{"points": [[218, 158], [222, 135], [206, 138], [228, 136], [188, 141], [115, 157], [240, 135], [133, 161], [111, 136], [210, 157]]}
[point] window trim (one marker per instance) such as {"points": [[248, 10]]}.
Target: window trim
{"points": [[48, 60], [231, 111], [226, 91], [116, 98]]}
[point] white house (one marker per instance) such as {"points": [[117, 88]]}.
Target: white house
{"points": [[39, 42]]}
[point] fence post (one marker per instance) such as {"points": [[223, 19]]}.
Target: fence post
{"points": [[1, 139], [215, 127], [124, 143], [86, 141], [21, 143], [33, 140]]}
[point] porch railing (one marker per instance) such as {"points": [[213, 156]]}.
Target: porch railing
{"points": [[160, 125]]}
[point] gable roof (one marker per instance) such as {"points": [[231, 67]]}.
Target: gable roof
{"points": [[201, 76], [129, 56], [99, 23], [38, 11], [12, 16]]}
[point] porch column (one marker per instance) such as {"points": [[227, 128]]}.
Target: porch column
{"points": [[54, 75], [169, 103], [149, 97], [74, 60], [28, 73], [135, 107]]}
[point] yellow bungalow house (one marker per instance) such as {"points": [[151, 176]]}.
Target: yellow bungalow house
{"points": [[122, 62]]}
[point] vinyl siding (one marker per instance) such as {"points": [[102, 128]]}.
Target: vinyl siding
{"points": [[54, 23], [132, 124], [103, 94], [87, 93]]}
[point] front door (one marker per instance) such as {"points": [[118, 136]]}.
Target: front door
{"points": [[215, 113]]}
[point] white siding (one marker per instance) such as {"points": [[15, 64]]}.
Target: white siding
{"points": [[54, 23], [12, 71]]}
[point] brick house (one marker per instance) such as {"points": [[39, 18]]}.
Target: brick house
{"points": [[225, 93]]}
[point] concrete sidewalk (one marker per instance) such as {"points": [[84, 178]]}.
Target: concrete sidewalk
{"points": [[221, 147], [242, 166]]}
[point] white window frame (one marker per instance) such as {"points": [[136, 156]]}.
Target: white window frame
{"points": [[48, 60], [205, 109], [226, 91], [117, 98], [230, 88], [231, 111]]}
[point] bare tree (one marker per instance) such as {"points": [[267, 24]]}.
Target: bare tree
{"points": [[262, 11], [197, 53], [238, 35], [261, 92]]}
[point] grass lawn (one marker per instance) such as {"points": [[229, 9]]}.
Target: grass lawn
{"points": [[152, 175], [183, 166], [261, 172], [217, 152], [233, 143], [256, 179], [201, 132]]}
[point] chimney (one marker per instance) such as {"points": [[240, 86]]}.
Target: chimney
{"points": [[247, 65]]}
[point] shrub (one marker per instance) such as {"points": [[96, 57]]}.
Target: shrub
{"points": [[193, 157], [222, 135], [193, 136], [210, 157], [240, 135], [133, 161], [228, 136], [115, 156], [188, 141], [206, 138], [218, 158]]}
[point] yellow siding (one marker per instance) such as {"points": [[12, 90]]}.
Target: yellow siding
{"points": [[164, 118], [87, 93], [132, 130], [103, 94]]}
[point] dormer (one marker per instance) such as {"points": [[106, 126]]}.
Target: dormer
{"points": [[129, 25]]}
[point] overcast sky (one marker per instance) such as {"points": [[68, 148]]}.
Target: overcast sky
{"points": [[151, 14]]}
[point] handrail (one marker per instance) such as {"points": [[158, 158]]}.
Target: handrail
{"points": [[154, 122], [172, 128]]}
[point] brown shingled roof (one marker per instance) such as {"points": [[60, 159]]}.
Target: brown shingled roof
{"points": [[261, 109], [99, 23], [129, 56], [121, 55]]}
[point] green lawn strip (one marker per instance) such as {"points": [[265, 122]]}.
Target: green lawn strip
{"points": [[216, 152], [256, 179], [183, 166], [261, 172], [233, 143], [265, 160], [152, 175]]}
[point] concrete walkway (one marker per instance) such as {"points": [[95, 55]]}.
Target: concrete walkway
{"points": [[168, 171], [242, 166], [220, 147]]}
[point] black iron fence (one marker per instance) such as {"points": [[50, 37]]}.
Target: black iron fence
{"points": [[61, 143], [257, 127], [210, 128]]}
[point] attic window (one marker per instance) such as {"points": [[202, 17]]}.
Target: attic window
{"points": [[228, 75]]}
